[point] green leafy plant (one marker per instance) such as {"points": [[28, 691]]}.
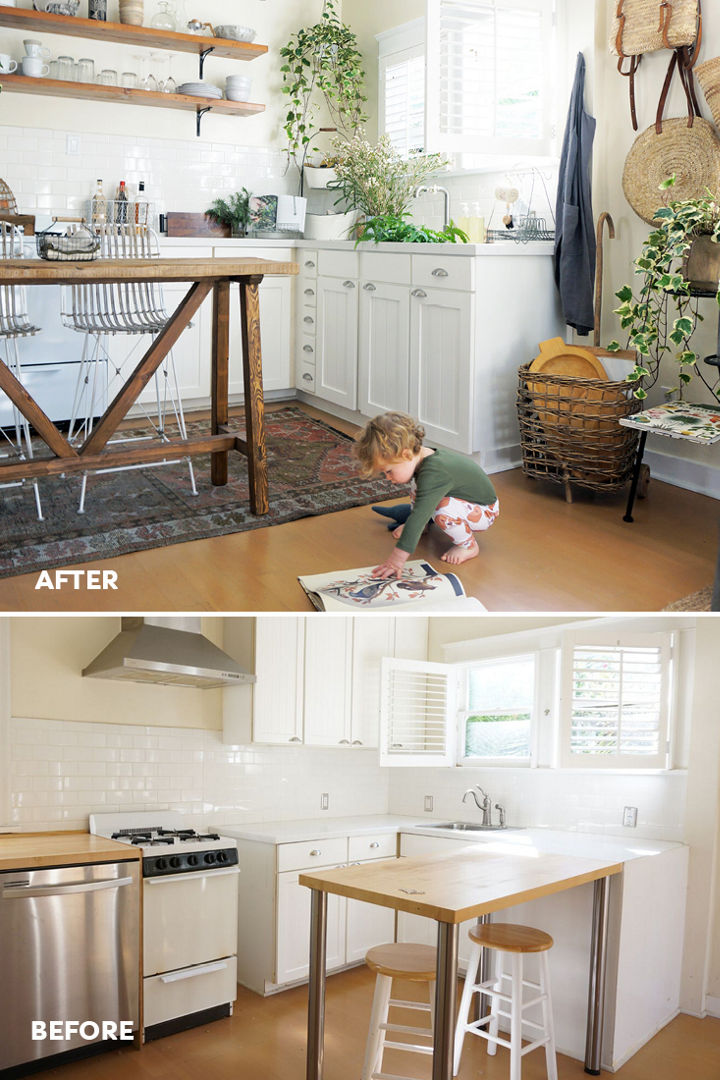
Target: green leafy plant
{"points": [[662, 315], [322, 66], [233, 211], [376, 180], [395, 229]]}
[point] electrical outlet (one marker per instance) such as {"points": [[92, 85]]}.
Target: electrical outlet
{"points": [[428, 804], [324, 801], [72, 144], [630, 817]]}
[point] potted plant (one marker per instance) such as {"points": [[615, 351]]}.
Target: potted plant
{"points": [[661, 316], [233, 211], [322, 67]]}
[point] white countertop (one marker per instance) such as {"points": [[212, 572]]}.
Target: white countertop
{"points": [[507, 247], [556, 841]]}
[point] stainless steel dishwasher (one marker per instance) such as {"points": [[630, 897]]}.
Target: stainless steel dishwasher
{"points": [[69, 951]]}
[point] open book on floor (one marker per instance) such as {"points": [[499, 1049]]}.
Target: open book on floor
{"points": [[420, 588]]}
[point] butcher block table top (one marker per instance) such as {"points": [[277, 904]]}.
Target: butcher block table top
{"points": [[46, 272], [34, 850], [464, 885]]}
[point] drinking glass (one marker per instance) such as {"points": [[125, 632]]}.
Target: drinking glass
{"points": [[108, 77], [53, 70], [129, 79], [157, 62], [145, 78], [86, 70], [66, 68]]}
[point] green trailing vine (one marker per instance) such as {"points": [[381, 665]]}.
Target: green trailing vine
{"points": [[662, 315], [322, 65]]}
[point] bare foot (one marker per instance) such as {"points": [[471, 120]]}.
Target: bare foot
{"points": [[397, 533], [457, 555]]}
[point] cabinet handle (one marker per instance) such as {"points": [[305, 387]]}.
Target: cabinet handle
{"points": [[316, 851], [309, 292], [439, 272], [295, 738], [344, 742], [307, 377], [419, 292], [308, 319], [348, 284], [375, 844], [369, 286], [355, 863], [309, 263], [308, 348]]}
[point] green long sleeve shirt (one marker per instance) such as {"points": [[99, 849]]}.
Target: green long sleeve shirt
{"points": [[440, 474]]}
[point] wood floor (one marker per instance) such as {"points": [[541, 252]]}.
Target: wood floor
{"points": [[542, 555], [265, 1040]]}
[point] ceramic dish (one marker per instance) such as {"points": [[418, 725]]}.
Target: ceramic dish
{"points": [[235, 33], [238, 95], [198, 89]]}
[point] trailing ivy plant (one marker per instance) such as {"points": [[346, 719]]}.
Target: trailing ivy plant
{"points": [[661, 316], [322, 65], [393, 228]]}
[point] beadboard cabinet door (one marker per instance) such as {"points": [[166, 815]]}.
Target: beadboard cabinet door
{"points": [[383, 348], [336, 342], [372, 639], [293, 929], [328, 681], [278, 692]]}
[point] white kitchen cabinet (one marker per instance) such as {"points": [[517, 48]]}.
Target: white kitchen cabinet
{"points": [[328, 681], [278, 692], [383, 348], [293, 929], [336, 341], [441, 354], [373, 639]]}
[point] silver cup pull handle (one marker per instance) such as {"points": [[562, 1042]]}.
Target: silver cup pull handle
{"points": [[369, 287], [419, 293], [439, 272], [348, 284]]}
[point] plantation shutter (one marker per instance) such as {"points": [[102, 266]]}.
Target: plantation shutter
{"points": [[401, 86], [417, 713], [488, 76], [615, 701]]}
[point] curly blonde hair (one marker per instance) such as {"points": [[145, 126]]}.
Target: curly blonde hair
{"points": [[385, 438]]}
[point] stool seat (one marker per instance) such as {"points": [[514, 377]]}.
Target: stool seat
{"points": [[510, 937], [403, 960]]}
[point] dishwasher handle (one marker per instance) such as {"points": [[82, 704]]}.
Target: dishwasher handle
{"points": [[22, 889]]}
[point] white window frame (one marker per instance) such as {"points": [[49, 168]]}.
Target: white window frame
{"points": [[475, 761], [391, 753], [403, 43], [662, 640]]}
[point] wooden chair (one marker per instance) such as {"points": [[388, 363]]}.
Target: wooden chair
{"points": [[508, 940], [413, 963]]}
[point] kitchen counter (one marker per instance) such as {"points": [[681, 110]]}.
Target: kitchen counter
{"points": [[25, 850], [290, 832], [502, 247]]}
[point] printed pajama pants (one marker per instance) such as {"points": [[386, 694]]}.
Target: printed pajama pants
{"points": [[460, 519]]}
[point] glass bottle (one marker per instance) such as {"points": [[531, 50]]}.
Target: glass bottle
{"points": [[98, 206], [141, 205], [121, 205], [164, 18], [463, 221], [477, 225]]}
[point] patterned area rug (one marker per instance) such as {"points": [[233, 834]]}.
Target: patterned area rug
{"points": [[697, 601], [311, 471]]}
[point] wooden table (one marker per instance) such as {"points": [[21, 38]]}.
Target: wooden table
{"points": [[450, 889], [206, 276]]}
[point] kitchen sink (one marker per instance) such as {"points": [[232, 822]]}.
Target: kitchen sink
{"points": [[462, 826]]}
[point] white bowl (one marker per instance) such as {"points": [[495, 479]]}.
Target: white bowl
{"points": [[238, 80], [237, 95], [235, 33]]}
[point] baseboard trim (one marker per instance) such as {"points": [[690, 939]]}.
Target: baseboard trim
{"points": [[712, 1006], [684, 473]]}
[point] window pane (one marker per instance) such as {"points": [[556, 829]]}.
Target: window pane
{"points": [[616, 700], [500, 703]]}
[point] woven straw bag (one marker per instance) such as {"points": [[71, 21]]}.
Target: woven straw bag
{"points": [[641, 26], [691, 154], [708, 75]]}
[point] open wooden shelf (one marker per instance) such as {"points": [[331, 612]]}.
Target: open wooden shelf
{"points": [[124, 34]]}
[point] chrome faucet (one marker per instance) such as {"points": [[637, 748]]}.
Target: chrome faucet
{"points": [[485, 805], [433, 190]]}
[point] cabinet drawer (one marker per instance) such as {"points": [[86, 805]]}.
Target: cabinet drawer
{"points": [[306, 350], [308, 264], [308, 294], [383, 846], [307, 854], [307, 321], [305, 379], [381, 266], [338, 263], [443, 273]]}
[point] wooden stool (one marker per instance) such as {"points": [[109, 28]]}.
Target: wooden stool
{"points": [[515, 941], [415, 963]]}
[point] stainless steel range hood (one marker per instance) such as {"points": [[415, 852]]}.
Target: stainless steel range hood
{"points": [[166, 650]]}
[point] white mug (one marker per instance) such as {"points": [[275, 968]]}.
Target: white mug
{"points": [[35, 48], [7, 64], [34, 67]]}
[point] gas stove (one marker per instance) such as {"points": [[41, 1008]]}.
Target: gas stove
{"points": [[168, 846]]}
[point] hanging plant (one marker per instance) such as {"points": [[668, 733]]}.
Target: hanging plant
{"points": [[322, 67], [662, 315]]}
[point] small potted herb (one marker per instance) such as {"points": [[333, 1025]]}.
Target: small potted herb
{"points": [[233, 212]]}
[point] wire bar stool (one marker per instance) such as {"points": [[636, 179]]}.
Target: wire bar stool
{"points": [[15, 324], [101, 311]]}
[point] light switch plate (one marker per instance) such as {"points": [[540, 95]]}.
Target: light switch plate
{"points": [[72, 144], [630, 817], [428, 804], [325, 801]]}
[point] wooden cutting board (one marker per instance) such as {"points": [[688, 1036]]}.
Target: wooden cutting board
{"points": [[182, 224], [558, 358]]}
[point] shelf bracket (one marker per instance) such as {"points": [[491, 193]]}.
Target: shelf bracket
{"points": [[203, 56], [198, 122]]}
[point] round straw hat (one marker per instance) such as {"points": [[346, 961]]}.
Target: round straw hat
{"points": [[708, 75], [690, 154]]}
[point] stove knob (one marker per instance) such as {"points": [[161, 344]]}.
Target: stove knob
{"points": [[175, 860], [160, 863], [210, 857], [222, 856], [192, 860]]}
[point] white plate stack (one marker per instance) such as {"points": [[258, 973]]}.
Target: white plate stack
{"points": [[237, 87], [200, 89]]}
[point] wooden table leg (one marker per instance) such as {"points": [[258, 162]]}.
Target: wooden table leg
{"points": [[219, 376], [598, 965], [252, 381], [445, 995], [316, 988]]}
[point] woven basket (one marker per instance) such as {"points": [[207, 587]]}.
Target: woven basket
{"points": [[642, 30], [708, 75], [691, 154], [569, 430], [8, 205]]}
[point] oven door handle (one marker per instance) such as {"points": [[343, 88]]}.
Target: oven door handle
{"points": [[190, 973], [193, 875]]}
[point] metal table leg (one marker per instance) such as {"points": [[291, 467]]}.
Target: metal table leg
{"points": [[316, 988], [596, 988], [627, 516], [445, 995]]}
